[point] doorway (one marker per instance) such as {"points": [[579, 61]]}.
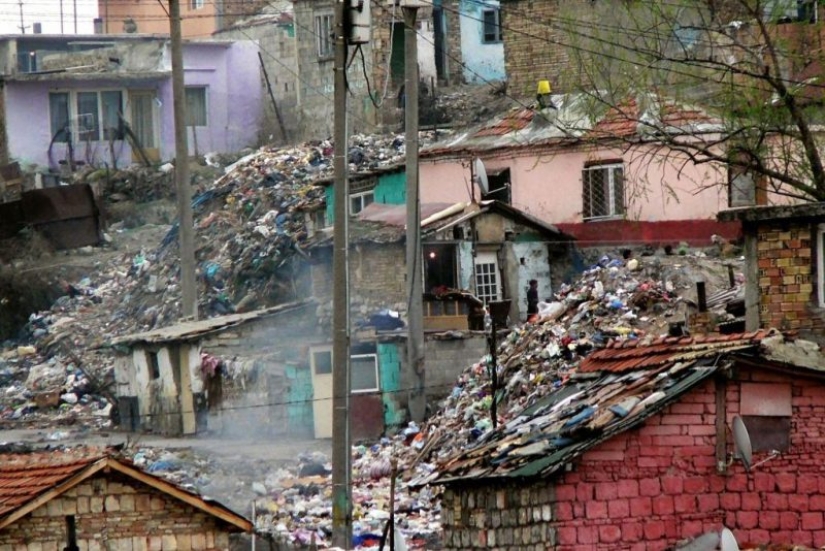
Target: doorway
{"points": [[143, 116]]}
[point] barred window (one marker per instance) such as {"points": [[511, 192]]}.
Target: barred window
{"points": [[603, 191], [491, 23], [323, 33]]}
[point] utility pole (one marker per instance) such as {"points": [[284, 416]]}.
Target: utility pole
{"points": [[22, 25], [415, 288], [61, 16], [341, 452], [186, 233], [74, 9]]}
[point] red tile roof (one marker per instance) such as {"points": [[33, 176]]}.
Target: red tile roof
{"points": [[622, 356], [24, 477], [28, 480], [620, 121], [511, 122]]}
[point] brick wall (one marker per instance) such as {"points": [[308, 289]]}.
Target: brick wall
{"points": [[377, 280], [785, 263], [534, 45], [114, 512], [652, 487]]}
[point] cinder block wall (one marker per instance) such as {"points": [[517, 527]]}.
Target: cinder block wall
{"points": [[652, 487], [115, 513], [785, 261]]}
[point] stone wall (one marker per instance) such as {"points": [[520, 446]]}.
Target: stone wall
{"points": [[785, 263], [649, 488], [114, 512]]}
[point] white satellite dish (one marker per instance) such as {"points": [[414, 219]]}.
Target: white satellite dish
{"points": [[728, 539], [706, 542], [742, 443], [480, 176]]}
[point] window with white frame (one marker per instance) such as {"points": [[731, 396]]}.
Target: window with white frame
{"points": [[491, 26], [196, 4], [196, 114], [603, 191], [86, 115], [323, 32], [486, 265], [364, 373], [360, 201]]}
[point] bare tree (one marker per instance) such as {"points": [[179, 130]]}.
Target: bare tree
{"points": [[752, 66]]}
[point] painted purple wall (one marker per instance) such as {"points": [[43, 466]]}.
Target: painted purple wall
{"points": [[234, 95]]}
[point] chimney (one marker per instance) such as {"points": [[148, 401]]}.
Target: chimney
{"points": [[98, 25], [37, 28]]}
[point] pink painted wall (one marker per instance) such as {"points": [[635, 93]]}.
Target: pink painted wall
{"points": [[549, 185]]}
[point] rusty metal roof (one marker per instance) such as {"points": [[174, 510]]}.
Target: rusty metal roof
{"points": [[29, 480], [613, 390]]}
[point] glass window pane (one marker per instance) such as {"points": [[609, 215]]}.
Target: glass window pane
{"points": [[112, 110], [88, 116], [196, 106], [322, 362], [59, 115], [364, 373]]}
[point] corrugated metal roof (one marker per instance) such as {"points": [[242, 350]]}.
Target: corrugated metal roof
{"points": [[190, 330], [617, 389]]}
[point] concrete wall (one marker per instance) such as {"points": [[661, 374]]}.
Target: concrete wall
{"points": [[278, 48], [482, 62], [151, 18], [316, 80], [657, 190], [114, 512], [234, 96], [654, 486]]}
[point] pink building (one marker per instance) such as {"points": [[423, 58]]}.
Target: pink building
{"points": [[594, 175]]}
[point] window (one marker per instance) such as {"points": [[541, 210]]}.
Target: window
{"points": [[195, 4], [603, 189], [364, 373], [789, 11], [498, 186], [196, 106], [439, 267], [322, 362], [487, 277], [766, 412], [86, 115], [491, 23], [323, 31], [359, 201], [71, 534], [59, 116], [154, 364]]}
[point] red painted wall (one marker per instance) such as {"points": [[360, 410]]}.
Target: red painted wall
{"points": [[652, 487], [628, 232]]}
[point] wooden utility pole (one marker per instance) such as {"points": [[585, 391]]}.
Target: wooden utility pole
{"points": [[341, 453], [188, 283], [415, 288]]}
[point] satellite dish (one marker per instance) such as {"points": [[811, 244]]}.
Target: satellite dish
{"points": [[728, 539], [742, 444], [480, 176], [706, 542]]}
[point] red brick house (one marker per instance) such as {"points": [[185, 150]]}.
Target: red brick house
{"points": [[91, 500], [785, 266], [634, 452]]}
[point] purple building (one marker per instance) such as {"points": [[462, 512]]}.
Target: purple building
{"points": [[107, 100]]}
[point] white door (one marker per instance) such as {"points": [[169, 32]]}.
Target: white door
{"points": [[321, 365], [487, 277]]}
